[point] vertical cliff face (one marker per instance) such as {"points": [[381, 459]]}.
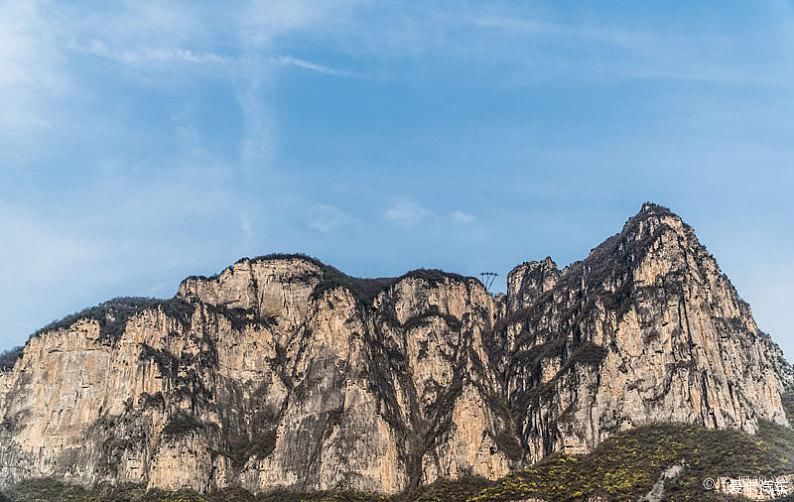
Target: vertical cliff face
{"points": [[279, 372], [284, 372], [645, 329]]}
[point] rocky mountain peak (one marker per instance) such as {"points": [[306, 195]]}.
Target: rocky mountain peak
{"points": [[649, 208], [654, 231], [248, 276], [529, 281]]}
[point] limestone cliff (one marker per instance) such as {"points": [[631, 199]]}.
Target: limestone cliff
{"points": [[284, 372], [645, 329]]}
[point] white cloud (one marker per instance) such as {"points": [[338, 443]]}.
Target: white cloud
{"points": [[27, 51], [41, 41], [264, 21], [247, 228], [31, 69], [258, 141], [308, 65], [258, 28], [326, 218], [149, 55], [406, 214], [592, 44], [139, 26], [459, 216]]}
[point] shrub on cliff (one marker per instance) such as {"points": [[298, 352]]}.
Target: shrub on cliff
{"points": [[9, 358]]}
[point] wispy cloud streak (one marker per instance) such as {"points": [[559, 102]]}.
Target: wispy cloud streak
{"points": [[308, 65], [152, 55]]}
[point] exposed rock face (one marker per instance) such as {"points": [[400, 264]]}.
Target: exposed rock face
{"points": [[658, 490], [266, 376], [283, 372], [645, 329]]}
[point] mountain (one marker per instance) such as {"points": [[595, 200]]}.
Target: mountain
{"points": [[281, 372]]}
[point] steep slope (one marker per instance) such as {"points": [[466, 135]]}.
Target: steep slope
{"points": [[645, 329], [282, 372], [268, 375]]}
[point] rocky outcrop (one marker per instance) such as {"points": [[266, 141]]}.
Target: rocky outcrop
{"points": [[645, 329], [668, 476], [279, 372], [282, 372]]}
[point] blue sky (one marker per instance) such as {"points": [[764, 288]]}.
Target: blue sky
{"points": [[141, 142]]}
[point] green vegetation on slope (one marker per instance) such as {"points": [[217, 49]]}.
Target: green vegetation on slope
{"points": [[622, 468], [113, 315], [626, 466], [9, 358]]}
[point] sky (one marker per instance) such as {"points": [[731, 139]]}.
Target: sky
{"points": [[142, 142]]}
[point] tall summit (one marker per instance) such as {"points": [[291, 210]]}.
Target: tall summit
{"points": [[283, 372]]}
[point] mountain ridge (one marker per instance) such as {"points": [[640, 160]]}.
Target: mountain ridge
{"points": [[283, 372]]}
